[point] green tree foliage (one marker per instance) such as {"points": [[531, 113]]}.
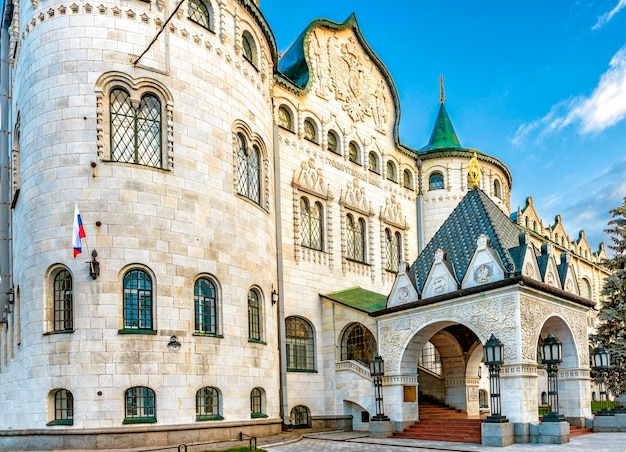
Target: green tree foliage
{"points": [[611, 327]]}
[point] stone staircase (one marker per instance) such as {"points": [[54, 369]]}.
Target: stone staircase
{"points": [[440, 423], [578, 431]]}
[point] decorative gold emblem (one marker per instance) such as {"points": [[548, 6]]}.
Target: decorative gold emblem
{"points": [[474, 171]]}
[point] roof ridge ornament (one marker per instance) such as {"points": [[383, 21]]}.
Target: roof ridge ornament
{"points": [[442, 96], [474, 171]]}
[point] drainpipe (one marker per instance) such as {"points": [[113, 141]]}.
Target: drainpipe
{"points": [[420, 209], [5, 151], [280, 305]]}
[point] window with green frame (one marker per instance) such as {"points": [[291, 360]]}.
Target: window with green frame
{"points": [[200, 13], [205, 306], [300, 345], [138, 316], [140, 405], [257, 403], [255, 331], [208, 404], [63, 300], [63, 408]]}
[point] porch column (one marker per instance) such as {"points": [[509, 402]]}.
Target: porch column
{"points": [[518, 389], [400, 399], [575, 394]]}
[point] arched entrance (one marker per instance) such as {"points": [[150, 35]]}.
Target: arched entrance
{"points": [[446, 357]]}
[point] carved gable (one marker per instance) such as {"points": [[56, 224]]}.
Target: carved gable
{"points": [[342, 70], [530, 267], [441, 278], [403, 290], [548, 266], [485, 266]]}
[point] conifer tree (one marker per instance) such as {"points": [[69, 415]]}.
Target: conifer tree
{"points": [[611, 326]]}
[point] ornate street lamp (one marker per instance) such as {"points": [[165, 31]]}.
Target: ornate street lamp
{"points": [[601, 363], [377, 370], [551, 357], [494, 358]]}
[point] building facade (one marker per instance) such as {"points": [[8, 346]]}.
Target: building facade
{"points": [[247, 219]]}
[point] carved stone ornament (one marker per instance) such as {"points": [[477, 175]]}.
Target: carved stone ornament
{"points": [[529, 270], [496, 315], [483, 273], [440, 285], [392, 213], [535, 312], [311, 179], [342, 70], [354, 197], [403, 294]]}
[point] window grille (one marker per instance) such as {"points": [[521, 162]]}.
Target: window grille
{"points": [[311, 217], [430, 359], [248, 170], [254, 316], [435, 181], [140, 405], [199, 13], [205, 304], [358, 344], [355, 239], [63, 405], [299, 344], [137, 300], [63, 300], [207, 404]]}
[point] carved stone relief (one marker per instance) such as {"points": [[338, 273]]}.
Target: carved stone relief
{"points": [[495, 315], [392, 213], [534, 312], [354, 198], [342, 70]]}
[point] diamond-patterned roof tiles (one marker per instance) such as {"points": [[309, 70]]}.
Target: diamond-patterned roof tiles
{"points": [[476, 214]]}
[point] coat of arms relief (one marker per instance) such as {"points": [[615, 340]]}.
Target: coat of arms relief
{"points": [[341, 70]]}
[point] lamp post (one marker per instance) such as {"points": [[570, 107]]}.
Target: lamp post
{"points": [[377, 370], [601, 362], [551, 358], [494, 352]]}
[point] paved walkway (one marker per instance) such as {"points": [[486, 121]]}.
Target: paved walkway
{"points": [[356, 441]]}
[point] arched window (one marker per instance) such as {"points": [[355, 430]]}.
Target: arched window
{"points": [[594, 397], [430, 358], [208, 407], [248, 47], [284, 118], [544, 398], [482, 399], [248, 170], [435, 181], [140, 405], [392, 174], [358, 344], [63, 407], [135, 132], [393, 250], [63, 302], [353, 153], [311, 219], [137, 301], [527, 222], [205, 306], [300, 345], [200, 13], [535, 226], [372, 162], [355, 230], [310, 131], [497, 190], [300, 417], [333, 142], [407, 179], [257, 403], [255, 331]]}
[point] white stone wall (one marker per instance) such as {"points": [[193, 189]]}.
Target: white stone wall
{"points": [[177, 223]]}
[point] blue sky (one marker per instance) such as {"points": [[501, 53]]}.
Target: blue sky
{"points": [[541, 85]]}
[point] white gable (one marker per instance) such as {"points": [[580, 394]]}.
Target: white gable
{"points": [[403, 290], [485, 266], [530, 267], [440, 279]]}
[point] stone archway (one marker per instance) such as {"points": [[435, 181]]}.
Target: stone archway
{"points": [[573, 373], [456, 383]]}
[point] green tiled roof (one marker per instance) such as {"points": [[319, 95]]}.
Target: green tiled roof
{"points": [[359, 298], [443, 136]]}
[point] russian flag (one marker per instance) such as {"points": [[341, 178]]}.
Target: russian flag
{"points": [[78, 232]]}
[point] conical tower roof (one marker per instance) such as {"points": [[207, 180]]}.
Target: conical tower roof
{"points": [[443, 136]]}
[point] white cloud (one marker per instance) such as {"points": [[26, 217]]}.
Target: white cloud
{"points": [[606, 17], [605, 107]]}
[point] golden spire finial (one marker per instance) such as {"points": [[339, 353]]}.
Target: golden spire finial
{"points": [[474, 171], [442, 96]]}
